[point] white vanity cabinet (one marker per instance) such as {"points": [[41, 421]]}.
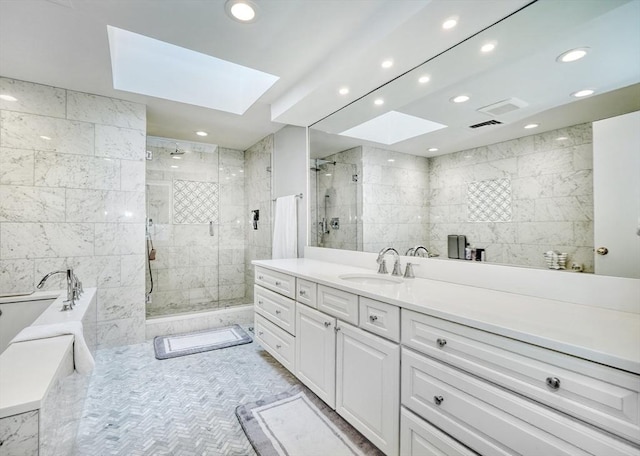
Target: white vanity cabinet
{"points": [[367, 381], [521, 399], [316, 352]]}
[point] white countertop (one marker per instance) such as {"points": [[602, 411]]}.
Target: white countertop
{"points": [[605, 336], [28, 369]]}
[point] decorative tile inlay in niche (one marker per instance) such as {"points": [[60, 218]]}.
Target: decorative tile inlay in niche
{"points": [[195, 202], [489, 200]]}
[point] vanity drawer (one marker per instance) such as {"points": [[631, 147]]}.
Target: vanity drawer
{"points": [[338, 303], [491, 420], [380, 318], [276, 281], [276, 341], [307, 293], [419, 438], [601, 395], [275, 307]]}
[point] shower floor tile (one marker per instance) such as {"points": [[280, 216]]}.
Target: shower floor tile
{"points": [[138, 405]]}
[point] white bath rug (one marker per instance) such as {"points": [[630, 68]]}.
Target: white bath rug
{"points": [[298, 423], [198, 342]]}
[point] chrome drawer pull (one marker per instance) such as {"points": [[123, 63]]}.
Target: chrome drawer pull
{"points": [[438, 399], [553, 383], [260, 302], [337, 328], [373, 318], [278, 347], [260, 277], [441, 342], [278, 312], [278, 283], [302, 292], [260, 333], [327, 324]]}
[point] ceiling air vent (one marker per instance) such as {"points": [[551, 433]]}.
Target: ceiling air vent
{"points": [[485, 124], [503, 107]]}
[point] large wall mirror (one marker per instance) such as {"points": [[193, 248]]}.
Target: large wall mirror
{"points": [[509, 165]]}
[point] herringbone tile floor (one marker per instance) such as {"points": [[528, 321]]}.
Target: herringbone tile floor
{"points": [[138, 405]]}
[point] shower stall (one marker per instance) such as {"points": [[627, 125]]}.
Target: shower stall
{"points": [[335, 186], [196, 223]]}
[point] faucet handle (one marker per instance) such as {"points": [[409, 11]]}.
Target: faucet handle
{"points": [[397, 269], [408, 272], [383, 267]]}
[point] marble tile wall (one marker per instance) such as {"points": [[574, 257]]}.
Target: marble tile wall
{"points": [[551, 190], [395, 188], [258, 196], [72, 188], [19, 434], [195, 269]]}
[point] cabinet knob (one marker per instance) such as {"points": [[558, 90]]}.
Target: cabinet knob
{"points": [[278, 283], [438, 399], [260, 333], [602, 250], [441, 342], [278, 312], [327, 324], [302, 292], [260, 277], [337, 328], [553, 383], [373, 318], [278, 347], [260, 302]]}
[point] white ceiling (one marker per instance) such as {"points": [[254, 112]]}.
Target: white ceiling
{"points": [[314, 46], [523, 66]]}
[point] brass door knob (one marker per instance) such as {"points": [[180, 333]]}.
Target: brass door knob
{"points": [[602, 251]]}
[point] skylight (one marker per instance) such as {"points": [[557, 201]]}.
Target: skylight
{"points": [[392, 127], [151, 67]]}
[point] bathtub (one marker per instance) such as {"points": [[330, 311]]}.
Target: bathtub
{"points": [[41, 398]]}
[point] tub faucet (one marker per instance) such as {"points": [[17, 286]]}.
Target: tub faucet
{"points": [[383, 266], [72, 286]]}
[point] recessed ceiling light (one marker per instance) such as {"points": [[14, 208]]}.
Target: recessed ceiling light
{"points": [[202, 133], [488, 47], [387, 63], [328, 174], [8, 98], [241, 171], [221, 168], [450, 23], [241, 10], [175, 157], [233, 174], [174, 166], [583, 93], [46, 138], [433, 149], [378, 102], [572, 55], [561, 138], [424, 79], [391, 160], [530, 126], [343, 90], [460, 99]]}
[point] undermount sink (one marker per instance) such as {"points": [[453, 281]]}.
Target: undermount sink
{"points": [[371, 279]]}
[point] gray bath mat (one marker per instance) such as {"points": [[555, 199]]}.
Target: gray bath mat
{"points": [[298, 423], [198, 342]]}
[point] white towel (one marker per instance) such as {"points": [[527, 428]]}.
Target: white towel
{"points": [[81, 355], [285, 228]]}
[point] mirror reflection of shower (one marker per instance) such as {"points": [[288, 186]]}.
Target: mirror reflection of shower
{"points": [[336, 202]]}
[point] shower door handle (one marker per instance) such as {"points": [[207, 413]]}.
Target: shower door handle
{"points": [[211, 228]]}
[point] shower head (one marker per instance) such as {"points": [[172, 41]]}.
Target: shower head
{"points": [[178, 151], [320, 161]]}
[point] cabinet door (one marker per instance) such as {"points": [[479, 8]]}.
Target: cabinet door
{"points": [[368, 385], [316, 352]]}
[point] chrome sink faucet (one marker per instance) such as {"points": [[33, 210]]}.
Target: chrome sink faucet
{"points": [[383, 266], [74, 287], [413, 251]]}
